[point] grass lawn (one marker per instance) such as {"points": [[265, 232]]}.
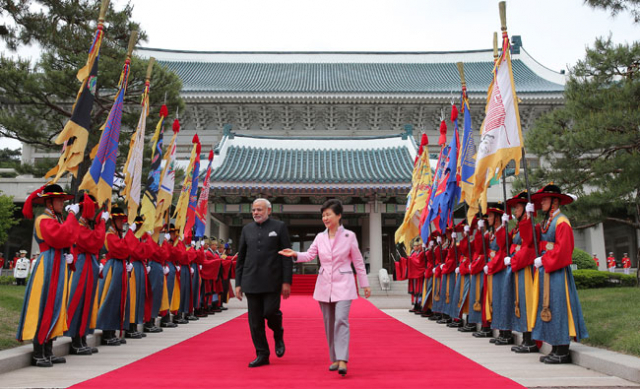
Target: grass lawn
{"points": [[612, 316], [11, 297]]}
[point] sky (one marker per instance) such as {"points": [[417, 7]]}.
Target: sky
{"points": [[554, 32]]}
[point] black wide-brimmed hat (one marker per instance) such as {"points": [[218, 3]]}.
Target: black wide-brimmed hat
{"points": [[553, 191], [520, 198], [117, 212], [139, 220], [50, 192], [495, 208]]}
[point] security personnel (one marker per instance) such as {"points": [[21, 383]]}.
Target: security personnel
{"points": [[626, 264], [559, 314], [44, 309], [21, 269], [611, 263]]}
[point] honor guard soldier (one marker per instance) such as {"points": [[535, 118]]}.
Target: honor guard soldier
{"points": [[559, 314], [415, 274], [44, 309], [611, 263], [138, 278], [626, 264]]}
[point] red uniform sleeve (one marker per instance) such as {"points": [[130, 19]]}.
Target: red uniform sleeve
{"points": [[91, 241], [497, 262], [117, 247], [450, 264], [527, 253], [56, 235], [416, 265], [477, 265], [560, 255]]}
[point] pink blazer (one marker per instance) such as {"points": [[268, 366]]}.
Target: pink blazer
{"points": [[335, 277]]}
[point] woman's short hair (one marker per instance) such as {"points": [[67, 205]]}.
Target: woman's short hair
{"points": [[334, 204]]}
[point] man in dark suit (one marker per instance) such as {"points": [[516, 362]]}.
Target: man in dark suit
{"points": [[262, 274]]}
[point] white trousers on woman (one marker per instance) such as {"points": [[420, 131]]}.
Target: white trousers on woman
{"points": [[336, 326]]}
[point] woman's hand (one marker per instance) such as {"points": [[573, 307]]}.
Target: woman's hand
{"points": [[367, 292], [288, 253]]}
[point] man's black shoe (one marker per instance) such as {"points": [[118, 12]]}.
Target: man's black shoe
{"points": [[280, 347], [168, 324], [222, 308], [261, 360]]}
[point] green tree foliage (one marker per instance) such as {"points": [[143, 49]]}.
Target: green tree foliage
{"points": [[7, 209], [591, 146], [41, 93], [617, 6], [583, 260]]}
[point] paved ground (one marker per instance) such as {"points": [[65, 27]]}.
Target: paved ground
{"points": [[524, 369]]}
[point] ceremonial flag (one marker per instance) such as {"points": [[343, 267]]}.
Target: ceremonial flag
{"points": [[193, 196], [203, 202], [133, 165], [167, 178], [75, 134], [451, 179], [431, 211], [150, 195], [417, 197], [501, 134], [183, 202], [99, 179], [467, 163]]}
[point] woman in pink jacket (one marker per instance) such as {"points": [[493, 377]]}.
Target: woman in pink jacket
{"points": [[337, 249]]}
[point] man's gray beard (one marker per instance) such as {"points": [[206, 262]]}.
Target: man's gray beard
{"points": [[261, 220]]}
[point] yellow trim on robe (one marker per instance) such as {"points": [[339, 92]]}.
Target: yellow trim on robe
{"points": [[106, 284], [164, 303], [489, 298], [571, 323], [175, 298], [61, 324], [530, 293], [31, 319], [424, 291], [94, 312], [536, 297], [132, 296]]}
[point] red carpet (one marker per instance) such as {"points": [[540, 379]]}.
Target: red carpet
{"points": [[384, 353], [303, 283]]}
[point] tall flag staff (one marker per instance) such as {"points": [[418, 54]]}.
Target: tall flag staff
{"points": [[183, 202], [429, 213], [75, 135], [167, 180], [133, 165], [203, 202], [193, 195], [99, 179], [467, 161], [150, 195]]}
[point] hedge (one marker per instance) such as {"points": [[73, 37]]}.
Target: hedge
{"points": [[7, 280], [587, 279], [583, 260]]}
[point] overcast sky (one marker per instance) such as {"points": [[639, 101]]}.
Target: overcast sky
{"points": [[554, 32]]}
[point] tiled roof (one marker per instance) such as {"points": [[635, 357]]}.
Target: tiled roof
{"points": [[371, 165], [217, 77]]}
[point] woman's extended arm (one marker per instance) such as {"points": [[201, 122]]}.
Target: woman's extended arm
{"points": [[307, 256]]}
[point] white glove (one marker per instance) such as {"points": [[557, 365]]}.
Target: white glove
{"points": [[458, 270], [505, 219], [486, 269], [129, 267], [441, 266], [193, 243], [165, 270], [200, 267], [424, 246], [537, 262], [68, 258], [167, 236], [454, 235], [198, 245], [480, 223], [430, 244], [75, 208], [100, 267], [192, 271], [507, 261], [439, 239], [469, 267], [178, 268], [434, 269], [105, 215], [529, 207], [467, 229], [150, 232], [133, 227], [181, 237]]}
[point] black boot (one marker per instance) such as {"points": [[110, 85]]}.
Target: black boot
{"points": [[446, 319], [151, 327], [527, 346], [427, 313], [133, 332], [200, 312], [77, 348], [191, 317], [506, 338], [165, 322], [48, 353], [38, 359], [94, 350], [562, 356], [468, 327], [485, 332], [437, 316], [554, 350], [179, 319], [109, 338]]}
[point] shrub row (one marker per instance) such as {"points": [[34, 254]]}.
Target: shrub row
{"points": [[587, 279]]}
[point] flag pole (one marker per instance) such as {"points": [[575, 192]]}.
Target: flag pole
{"points": [[502, 6]]}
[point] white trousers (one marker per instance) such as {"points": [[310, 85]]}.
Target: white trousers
{"points": [[336, 326]]}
